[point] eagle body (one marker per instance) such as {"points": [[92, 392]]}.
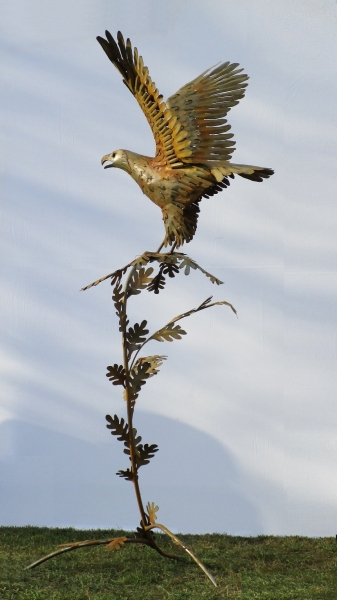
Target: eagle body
{"points": [[193, 146], [162, 184]]}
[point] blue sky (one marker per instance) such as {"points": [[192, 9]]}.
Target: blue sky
{"points": [[258, 392]]}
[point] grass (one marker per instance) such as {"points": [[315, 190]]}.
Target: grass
{"points": [[264, 568]]}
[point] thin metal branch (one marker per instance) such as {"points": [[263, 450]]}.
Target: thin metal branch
{"points": [[84, 544], [180, 543], [129, 406]]}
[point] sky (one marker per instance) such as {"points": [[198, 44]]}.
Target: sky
{"points": [[244, 408]]}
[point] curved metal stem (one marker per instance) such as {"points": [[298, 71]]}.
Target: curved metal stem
{"points": [[134, 470], [178, 541], [129, 406], [85, 544]]}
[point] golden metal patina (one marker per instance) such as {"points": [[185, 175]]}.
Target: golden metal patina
{"points": [[191, 162], [193, 146]]}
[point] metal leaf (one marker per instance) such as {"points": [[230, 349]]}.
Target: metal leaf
{"points": [[171, 269], [174, 257], [116, 375], [157, 283], [118, 427], [118, 298], [168, 333], [136, 441], [138, 375], [116, 543], [126, 474], [140, 280], [135, 336], [145, 453], [152, 510], [153, 362]]}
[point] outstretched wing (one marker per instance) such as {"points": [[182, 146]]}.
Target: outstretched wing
{"points": [[200, 107], [136, 77]]}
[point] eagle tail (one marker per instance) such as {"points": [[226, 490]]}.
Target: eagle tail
{"points": [[247, 171]]}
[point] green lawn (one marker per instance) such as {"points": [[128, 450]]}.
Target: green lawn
{"points": [[265, 567]]}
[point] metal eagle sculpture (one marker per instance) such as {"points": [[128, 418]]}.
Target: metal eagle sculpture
{"points": [[193, 146], [193, 152]]}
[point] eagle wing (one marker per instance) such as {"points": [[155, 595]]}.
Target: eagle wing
{"points": [[201, 134], [191, 126], [137, 79]]}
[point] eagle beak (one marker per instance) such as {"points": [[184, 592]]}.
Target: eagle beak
{"points": [[105, 159]]}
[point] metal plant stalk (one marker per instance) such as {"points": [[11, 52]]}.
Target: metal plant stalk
{"points": [[192, 162], [132, 375]]}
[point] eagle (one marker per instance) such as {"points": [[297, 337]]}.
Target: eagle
{"points": [[191, 132]]}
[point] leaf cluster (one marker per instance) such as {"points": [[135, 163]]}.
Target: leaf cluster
{"points": [[170, 264], [144, 368], [143, 452]]}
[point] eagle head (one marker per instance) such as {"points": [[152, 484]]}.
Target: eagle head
{"points": [[118, 158]]}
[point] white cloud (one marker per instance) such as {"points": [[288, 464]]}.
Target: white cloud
{"points": [[250, 386]]}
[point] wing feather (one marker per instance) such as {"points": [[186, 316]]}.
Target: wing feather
{"points": [[200, 108], [191, 126], [136, 77]]}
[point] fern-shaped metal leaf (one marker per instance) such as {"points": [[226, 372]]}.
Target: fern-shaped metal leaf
{"points": [[157, 283], [168, 333], [145, 453], [139, 281], [118, 297], [138, 375], [170, 269], [135, 336], [116, 543], [152, 510], [116, 375], [117, 275], [136, 441], [153, 362], [126, 474], [118, 427]]}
